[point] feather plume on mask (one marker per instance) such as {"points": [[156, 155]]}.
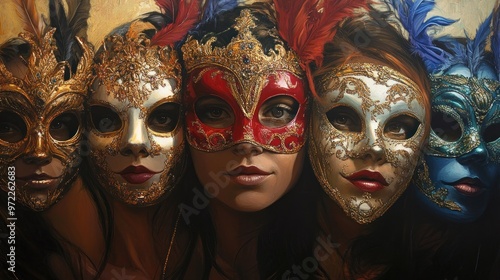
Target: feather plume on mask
{"points": [[476, 46], [214, 7], [32, 22], [184, 13], [495, 38], [412, 14], [307, 25], [68, 27]]}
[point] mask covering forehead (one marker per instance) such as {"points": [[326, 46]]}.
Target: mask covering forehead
{"points": [[40, 97], [471, 102], [247, 73], [341, 158], [137, 162]]}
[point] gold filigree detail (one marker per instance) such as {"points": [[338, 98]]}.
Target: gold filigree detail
{"points": [[245, 61], [480, 92], [427, 187], [39, 97], [125, 63], [379, 73]]}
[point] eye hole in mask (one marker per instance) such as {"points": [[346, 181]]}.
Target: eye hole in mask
{"points": [[12, 127], [164, 118], [278, 111], [492, 133], [344, 118], [214, 111], [401, 127], [64, 127], [105, 119], [445, 126]]}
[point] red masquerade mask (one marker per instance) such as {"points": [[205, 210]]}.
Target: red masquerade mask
{"points": [[221, 112]]}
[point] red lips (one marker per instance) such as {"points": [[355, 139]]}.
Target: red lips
{"points": [[468, 186], [368, 181], [136, 174]]}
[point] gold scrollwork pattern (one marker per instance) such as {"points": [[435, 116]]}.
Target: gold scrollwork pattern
{"points": [[245, 59]]}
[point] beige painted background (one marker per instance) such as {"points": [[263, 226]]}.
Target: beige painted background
{"points": [[107, 14]]}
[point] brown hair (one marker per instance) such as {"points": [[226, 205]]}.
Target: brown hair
{"points": [[372, 36]]}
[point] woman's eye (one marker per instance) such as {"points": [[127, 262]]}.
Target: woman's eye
{"points": [[12, 127], [164, 118], [105, 119], [344, 118], [278, 111], [64, 127], [401, 127], [214, 112], [445, 126]]}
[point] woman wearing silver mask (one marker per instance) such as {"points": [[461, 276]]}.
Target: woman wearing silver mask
{"points": [[136, 140], [370, 119], [44, 76]]}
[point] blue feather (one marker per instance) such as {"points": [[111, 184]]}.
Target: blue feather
{"points": [[457, 50], [495, 40], [214, 7], [412, 16], [475, 48]]}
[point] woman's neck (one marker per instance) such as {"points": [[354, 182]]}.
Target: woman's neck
{"points": [[133, 245], [337, 224], [75, 218], [237, 237]]}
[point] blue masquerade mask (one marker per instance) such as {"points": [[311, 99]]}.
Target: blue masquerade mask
{"points": [[462, 160]]}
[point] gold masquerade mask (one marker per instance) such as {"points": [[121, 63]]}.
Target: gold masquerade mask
{"points": [[39, 100]]}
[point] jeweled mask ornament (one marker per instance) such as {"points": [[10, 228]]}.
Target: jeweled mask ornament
{"points": [[41, 122], [245, 77], [135, 139], [366, 130]]}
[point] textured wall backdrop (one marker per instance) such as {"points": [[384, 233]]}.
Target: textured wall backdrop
{"points": [[107, 14]]}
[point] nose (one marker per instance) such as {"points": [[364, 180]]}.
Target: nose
{"points": [[371, 148], [375, 153], [246, 149], [135, 140], [39, 153], [478, 155]]}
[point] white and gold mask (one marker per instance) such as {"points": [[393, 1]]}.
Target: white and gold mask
{"points": [[366, 131], [136, 143]]}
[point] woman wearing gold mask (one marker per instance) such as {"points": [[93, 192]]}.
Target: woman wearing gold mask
{"points": [[44, 77]]}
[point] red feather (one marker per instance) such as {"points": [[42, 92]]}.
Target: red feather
{"points": [[168, 7], [307, 25], [185, 14]]}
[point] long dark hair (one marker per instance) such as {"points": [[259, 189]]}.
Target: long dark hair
{"points": [[287, 239]]}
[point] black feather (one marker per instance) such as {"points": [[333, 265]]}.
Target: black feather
{"points": [[67, 28], [78, 15]]}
